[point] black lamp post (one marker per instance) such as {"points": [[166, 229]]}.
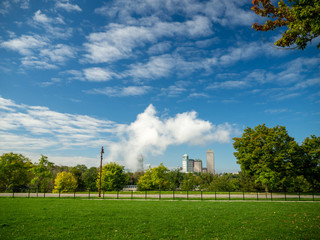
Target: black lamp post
{"points": [[102, 152]]}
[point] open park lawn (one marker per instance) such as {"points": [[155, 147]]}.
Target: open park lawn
{"points": [[54, 218]]}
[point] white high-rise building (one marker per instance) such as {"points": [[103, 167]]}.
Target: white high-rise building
{"points": [[210, 161], [187, 164]]}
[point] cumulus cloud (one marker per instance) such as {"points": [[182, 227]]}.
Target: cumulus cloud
{"points": [[151, 135]]}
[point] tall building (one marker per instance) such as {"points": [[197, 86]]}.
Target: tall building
{"points": [[140, 163], [187, 164], [210, 161], [197, 166]]}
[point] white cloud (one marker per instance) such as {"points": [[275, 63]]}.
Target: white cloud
{"points": [[25, 44], [59, 53], [308, 83], [41, 18], [40, 124], [228, 85], [121, 91], [120, 41], [97, 74], [68, 7], [156, 67], [151, 135], [34, 62], [226, 13], [175, 90], [160, 48], [276, 111], [116, 43], [6, 5]]}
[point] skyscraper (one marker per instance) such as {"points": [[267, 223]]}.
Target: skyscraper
{"points": [[197, 166], [210, 161]]}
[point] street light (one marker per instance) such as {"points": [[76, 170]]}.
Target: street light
{"points": [[102, 152]]}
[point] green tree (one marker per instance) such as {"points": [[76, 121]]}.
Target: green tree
{"points": [[174, 178], [301, 18], [78, 171], [154, 178], [145, 181], [14, 171], [224, 182], [311, 161], [113, 177], [248, 183], [133, 178], [204, 180], [43, 176], [90, 177], [269, 155], [65, 182], [189, 182]]}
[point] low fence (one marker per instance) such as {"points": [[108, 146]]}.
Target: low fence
{"points": [[165, 195]]}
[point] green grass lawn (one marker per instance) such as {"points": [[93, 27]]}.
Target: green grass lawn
{"points": [[53, 218]]}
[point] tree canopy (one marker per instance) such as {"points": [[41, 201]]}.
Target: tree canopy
{"points": [[273, 159], [42, 173], [154, 178], [301, 18], [311, 160], [267, 154], [112, 177], [14, 170], [65, 182]]}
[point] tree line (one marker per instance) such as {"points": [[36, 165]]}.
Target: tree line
{"points": [[270, 160]]}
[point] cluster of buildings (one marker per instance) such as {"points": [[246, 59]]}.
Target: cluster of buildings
{"points": [[195, 165], [188, 165]]}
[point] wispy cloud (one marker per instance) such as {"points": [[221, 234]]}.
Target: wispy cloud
{"points": [[228, 85], [225, 13], [58, 129], [6, 5], [121, 91], [121, 41], [276, 111], [25, 44], [68, 6], [155, 68], [97, 74], [176, 90]]}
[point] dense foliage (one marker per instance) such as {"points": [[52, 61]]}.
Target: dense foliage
{"points": [[112, 177], [14, 170], [274, 160], [301, 18], [65, 182]]}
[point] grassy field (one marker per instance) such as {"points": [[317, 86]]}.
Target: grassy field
{"points": [[52, 218]]}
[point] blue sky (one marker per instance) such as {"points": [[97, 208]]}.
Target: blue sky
{"points": [[158, 78]]}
